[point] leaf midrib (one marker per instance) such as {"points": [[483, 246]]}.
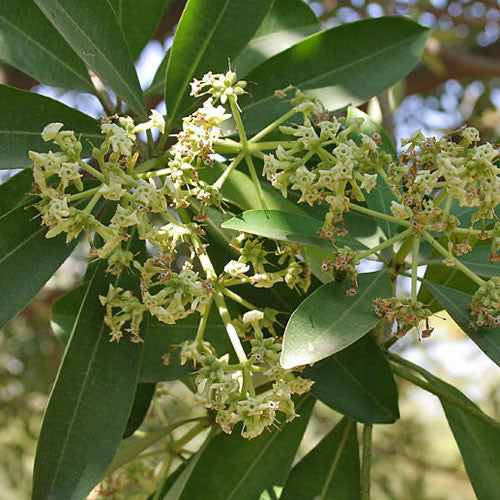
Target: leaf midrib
{"points": [[358, 61], [53, 56], [89, 40]]}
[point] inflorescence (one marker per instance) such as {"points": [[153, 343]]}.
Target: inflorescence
{"points": [[165, 200]]}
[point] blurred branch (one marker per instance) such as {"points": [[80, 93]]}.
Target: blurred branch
{"points": [[458, 64]]}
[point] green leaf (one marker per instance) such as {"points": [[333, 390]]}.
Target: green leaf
{"points": [[233, 468], [357, 382], [143, 396], [92, 30], [30, 43], [27, 258], [88, 406], [328, 321], [285, 226], [330, 470], [138, 21], [13, 192], [208, 34], [23, 115], [344, 65], [457, 305], [378, 199], [479, 443], [286, 23], [477, 260]]}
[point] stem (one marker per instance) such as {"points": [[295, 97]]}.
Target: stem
{"points": [[439, 198], [273, 125], [178, 444], [151, 144], [149, 165], [414, 266], [91, 170], [261, 146], [220, 181], [92, 203], [83, 194], [470, 409], [237, 298], [403, 251], [473, 276], [203, 322], [366, 461], [385, 244], [378, 215]]}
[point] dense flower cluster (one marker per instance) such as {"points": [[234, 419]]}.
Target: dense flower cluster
{"points": [[116, 198], [219, 386]]}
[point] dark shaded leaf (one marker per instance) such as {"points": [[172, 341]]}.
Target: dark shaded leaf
{"points": [[207, 35], [233, 468], [143, 396], [477, 260], [286, 23], [328, 321], [138, 21], [30, 43], [344, 65], [92, 30], [357, 382], [330, 470], [457, 305], [89, 404], [23, 115]]}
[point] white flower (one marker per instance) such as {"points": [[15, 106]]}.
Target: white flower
{"points": [[51, 130], [236, 269], [251, 316], [155, 120]]}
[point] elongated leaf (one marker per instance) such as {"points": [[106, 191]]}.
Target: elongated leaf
{"points": [[92, 30], [479, 444], [357, 382], [328, 321], [23, 115], [89, 404], [233, 468], [27, 258], [330, 470], [285, 226], [143, 395], [207, 35], [138, 21], [30, 43], [286, 23], [13, 192], [378, 199], [344, 65], [457, 305], [477, 260]]}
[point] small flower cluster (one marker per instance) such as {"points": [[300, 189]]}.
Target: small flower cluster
{"points": [[293, 271], [485, 307], [223, 389], [404, 314], [323, 162]]}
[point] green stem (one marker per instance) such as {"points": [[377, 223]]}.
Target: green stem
{"points": [[164, 137], [178, 444], [83, 194], [384, 244], [92, 203], [378, 215], [203, 322], [366, 461], [473, 276], [445, 396], [91, 170], [220, 181], [414, 266], [151, 144], [262, 146], [152, 164], [403, 251], [439, 198], [237, 298], [273, 125]]}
